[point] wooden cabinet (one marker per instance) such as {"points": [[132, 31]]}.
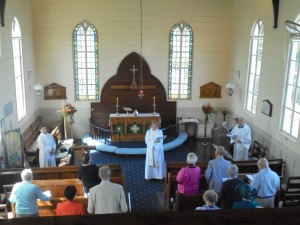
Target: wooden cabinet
{"points": [[132, 128]]}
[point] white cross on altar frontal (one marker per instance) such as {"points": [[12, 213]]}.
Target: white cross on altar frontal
{"points": [[134, 128]]}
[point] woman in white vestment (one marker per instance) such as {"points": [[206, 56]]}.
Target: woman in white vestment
{"points": [[154, 166]]}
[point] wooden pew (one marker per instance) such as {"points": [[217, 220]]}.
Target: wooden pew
{"points": [[171, 188], [172, 169], [187, 202], [57, 187], [249, 166], [12, 176]]}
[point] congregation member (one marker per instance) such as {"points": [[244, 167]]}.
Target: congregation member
{"points": [[228, 194], [241, 138], [217, 170], [106, 197], [47, 147], [248, 195], [25, 194], [69, 207], [154, 165], [188, 177], [267, 183], [88, 173], [210, 198]]}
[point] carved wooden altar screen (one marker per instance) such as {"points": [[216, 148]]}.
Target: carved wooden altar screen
{"points": [[125, 86]]}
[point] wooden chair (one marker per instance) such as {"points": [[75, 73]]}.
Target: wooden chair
{"points": [[291, 194], [187, 202]]}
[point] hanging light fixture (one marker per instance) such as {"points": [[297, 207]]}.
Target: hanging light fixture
{"points": [[141, 89], [38, 87]]}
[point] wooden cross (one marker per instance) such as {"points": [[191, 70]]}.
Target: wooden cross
{"points": [[65, 111], [133, 73]]}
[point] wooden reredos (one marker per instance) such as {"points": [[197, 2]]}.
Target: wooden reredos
{"points": [[125, 86]]}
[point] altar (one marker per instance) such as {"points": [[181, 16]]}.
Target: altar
{"points": [[131, 127]]}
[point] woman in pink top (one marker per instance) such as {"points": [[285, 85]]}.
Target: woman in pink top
{"points": [[188, 177]]}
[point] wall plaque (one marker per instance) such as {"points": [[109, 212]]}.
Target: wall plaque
{"points": [[54, 91], [210, 90]]}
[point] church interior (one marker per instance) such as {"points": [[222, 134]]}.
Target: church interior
{"points": [[134, 72]]}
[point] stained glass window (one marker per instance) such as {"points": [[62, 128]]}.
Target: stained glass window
{"points": [[255, 58], [180, 62], [86, 62]]}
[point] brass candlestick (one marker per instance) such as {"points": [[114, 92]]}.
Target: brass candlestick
{"points": [[117, 109]]}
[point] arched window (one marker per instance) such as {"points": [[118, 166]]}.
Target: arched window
{"points": [[180, 62], [86, 62], [18, 68], [290, 115], [254, 67]]}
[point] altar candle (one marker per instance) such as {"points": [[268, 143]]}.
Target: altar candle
{"points": [[117, 101], [153, 100]]}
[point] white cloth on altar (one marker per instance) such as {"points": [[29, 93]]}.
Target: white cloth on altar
{"points": [[46, 143], [240, 150], [154, 165]]}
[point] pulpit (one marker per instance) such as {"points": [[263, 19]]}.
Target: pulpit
{"points": [[131, 127]]}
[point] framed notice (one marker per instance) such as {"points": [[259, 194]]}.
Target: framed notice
{"points": [[266, 107]]}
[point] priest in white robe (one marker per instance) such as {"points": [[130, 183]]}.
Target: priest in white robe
{"points": [[47, 147], [154, 165], [241, 137]]}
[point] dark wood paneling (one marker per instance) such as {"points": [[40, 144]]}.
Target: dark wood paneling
{"points": [[119, 86]]}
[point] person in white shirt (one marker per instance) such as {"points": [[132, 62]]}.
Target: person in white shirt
{"points": [[47, 147], [241, 137], [267, 183], [154, 165]]}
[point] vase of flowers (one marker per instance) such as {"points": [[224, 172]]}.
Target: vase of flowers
{"points": [[70, 110], [207, 110]]}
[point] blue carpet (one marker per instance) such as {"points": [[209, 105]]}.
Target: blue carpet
{"points": [[143, 193]]}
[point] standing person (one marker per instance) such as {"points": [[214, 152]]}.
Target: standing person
{"points": [[47, 147], [241, 137], [25, 195], [228, 194], [188, 177], [69, 207], [217, 170], [88, 173], [267, 183], [106, 197], [210, 198], [248, 195], [154, 165]]}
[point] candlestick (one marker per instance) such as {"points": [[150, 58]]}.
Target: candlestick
{"points": [[117, 101], [153, 100]]}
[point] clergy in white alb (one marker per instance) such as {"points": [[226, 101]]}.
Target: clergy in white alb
{"points": [[47, 147], [154, 165], [241, 137]]}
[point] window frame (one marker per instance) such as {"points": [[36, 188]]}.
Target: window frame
{"points": [[16, 36], [183, 27], [254, 69], [88, 80], [289, 126]]}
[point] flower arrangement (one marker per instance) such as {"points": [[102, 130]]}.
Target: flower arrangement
{"points": [[70, 110], [207, 110]]}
